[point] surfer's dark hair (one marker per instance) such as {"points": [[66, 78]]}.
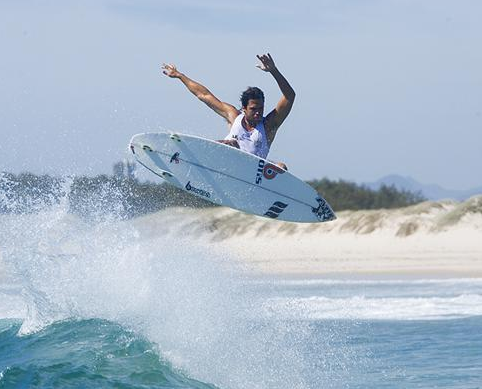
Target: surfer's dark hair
{"points": [[252, 93]]}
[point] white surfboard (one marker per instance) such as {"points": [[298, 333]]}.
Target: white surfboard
{"points": [[230, 177]]}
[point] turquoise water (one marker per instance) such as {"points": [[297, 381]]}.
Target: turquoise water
{"points": [[384, 354], [111, 303]]}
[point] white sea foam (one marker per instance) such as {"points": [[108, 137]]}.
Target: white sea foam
{"points": [[370, 308]]}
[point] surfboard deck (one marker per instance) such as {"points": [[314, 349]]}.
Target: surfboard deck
{"points": [[230, 177]]}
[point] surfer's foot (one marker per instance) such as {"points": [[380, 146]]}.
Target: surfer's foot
{"points": [[282, 165]]}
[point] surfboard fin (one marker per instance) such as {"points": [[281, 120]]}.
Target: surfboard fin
{"points": [[175, 137]]}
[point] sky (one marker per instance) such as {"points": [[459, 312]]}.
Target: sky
{"points": [[383, 86]]}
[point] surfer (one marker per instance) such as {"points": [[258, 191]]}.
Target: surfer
{"points": [[249, 130]]}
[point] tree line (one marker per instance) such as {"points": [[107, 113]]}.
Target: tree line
{"points": [[346, 195], [125, 196]]}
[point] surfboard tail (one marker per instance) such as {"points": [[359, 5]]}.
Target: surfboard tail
{"points": [[323, 212]]}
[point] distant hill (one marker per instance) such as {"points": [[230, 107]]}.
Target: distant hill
{"points": [[430, 191]]}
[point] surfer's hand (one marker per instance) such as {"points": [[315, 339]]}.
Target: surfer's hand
{"points": [[267, 63], [230, 142], [170, 70]]}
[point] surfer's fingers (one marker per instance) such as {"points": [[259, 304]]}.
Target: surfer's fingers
{"points": [[263, 58]]}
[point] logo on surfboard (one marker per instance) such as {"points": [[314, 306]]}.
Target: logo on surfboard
{"points": [[275, 210], [197, 191], [323, 211], [267, 170], [175, 157]]}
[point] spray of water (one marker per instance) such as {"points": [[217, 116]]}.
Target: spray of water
{"points": [[192, 301]]}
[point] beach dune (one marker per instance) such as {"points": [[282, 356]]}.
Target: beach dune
{"points": [[442, 238]]}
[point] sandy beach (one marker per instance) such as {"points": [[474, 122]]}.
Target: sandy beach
{"points": [[431, 239]]}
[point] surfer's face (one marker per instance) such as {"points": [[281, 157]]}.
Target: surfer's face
{"points": [[254, 110]]}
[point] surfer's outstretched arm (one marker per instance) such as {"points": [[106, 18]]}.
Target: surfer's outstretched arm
{"points": [[278, 115], [226, 110]]}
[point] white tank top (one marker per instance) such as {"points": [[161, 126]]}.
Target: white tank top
{"points": [[254, 142]]}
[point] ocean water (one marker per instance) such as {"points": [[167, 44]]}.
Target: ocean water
{"points": [[102, 303]]}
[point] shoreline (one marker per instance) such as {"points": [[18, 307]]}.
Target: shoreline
{"points": [[400, 268], [369, 275], [365, 276], [354, 256]]}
